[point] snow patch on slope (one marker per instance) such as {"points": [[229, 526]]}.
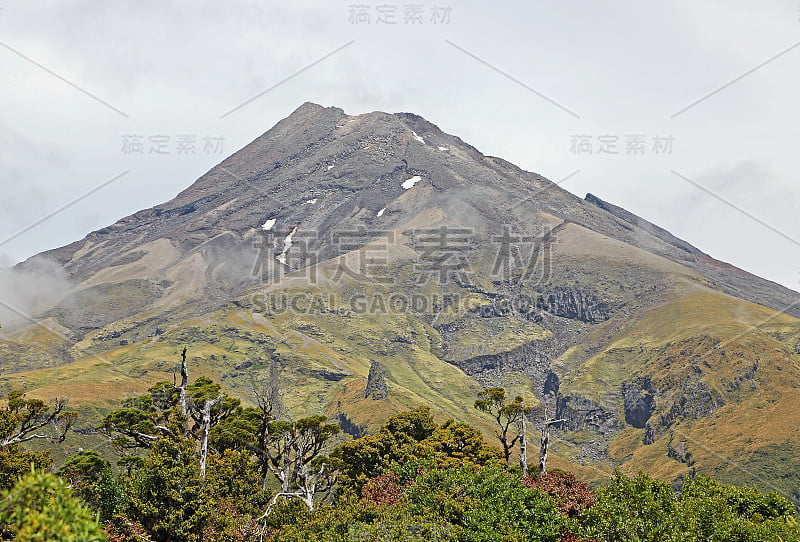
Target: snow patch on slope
{"points": [[411, 182], [418, 138], [287, 244], [266, 226]]}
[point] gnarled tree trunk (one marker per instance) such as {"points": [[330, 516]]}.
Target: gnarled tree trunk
{"points": [[523, 448], [184, 383], [545, 442], [206, 426]]}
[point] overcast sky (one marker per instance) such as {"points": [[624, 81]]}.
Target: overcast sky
{"points": [[686, 115]]}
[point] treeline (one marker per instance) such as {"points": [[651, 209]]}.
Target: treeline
{"points": [[196, 465]]}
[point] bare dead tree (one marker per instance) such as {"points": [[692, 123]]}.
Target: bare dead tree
{"points": [[313, 482], [266, 392], [523, 448], [137, 426], [293, 455], [206, 420], [207, 406], [184, 382], [177, 411], [545, 442]]}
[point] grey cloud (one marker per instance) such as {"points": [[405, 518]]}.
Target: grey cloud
{"points": [[25, 294]]}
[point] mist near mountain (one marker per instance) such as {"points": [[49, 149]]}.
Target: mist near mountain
{"points": [[26, 293]]}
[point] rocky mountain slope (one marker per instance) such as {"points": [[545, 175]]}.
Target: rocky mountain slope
{"points": [[334, 244]]}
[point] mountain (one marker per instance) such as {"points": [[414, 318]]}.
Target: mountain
{"points": [[373, 263]]}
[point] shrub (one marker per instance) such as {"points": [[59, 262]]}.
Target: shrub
{"points": [[645, 509], [15, 463], [383, 489], [487, 504], [717, 512], [91, 479], [639, 508], [41, 508], [570, 495], [166, 496]]}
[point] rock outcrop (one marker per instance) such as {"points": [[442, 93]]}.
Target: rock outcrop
{"points": [[582, 413], [575, 304], [639, 401], [377, 388], [533, 358]]}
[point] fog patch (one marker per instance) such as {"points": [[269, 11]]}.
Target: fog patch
{"points": [[26, 294]]}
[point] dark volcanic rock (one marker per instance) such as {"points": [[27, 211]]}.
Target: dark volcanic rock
{"points": [[649, 434], [677, 451], [583, 413], [533, 358], [576, 304], [694, 400], [376, 382], [639, 401], [551, 385]]}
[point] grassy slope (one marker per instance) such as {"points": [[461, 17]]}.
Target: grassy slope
{"points": [[743, 353], [324, 357]]}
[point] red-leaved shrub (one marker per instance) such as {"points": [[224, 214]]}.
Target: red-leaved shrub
{"points": [[383, 489], [569, 494]]}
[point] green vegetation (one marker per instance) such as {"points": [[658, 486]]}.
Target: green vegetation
{"points": [[413, 436], [41, 508], [414, 479], [24, 420], [644, 509], [505, 414]]}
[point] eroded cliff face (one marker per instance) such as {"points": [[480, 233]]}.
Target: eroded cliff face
{"points": [[639, 401], [564, 314], [670, 384], [576, 304], [533, 358], [693, 400], [582, 413]]}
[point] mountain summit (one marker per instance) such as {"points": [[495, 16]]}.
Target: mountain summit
{"points": [[333, 244]]}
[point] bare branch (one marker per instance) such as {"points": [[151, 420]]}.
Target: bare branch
{"points": [[24, 418]]}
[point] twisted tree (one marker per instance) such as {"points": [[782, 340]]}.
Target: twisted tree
{"points": [[505, 414], [294, 456], [172, 411], [23, 419]]}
